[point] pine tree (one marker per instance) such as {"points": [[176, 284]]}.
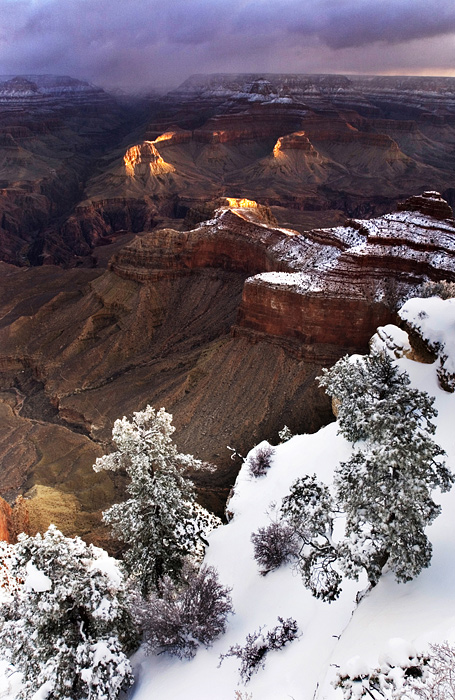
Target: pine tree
{"points": [[160, 522], [66, 625], [385, 488]]}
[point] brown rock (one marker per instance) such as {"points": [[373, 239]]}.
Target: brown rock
{"points": [[5, 521], [430, 204]]}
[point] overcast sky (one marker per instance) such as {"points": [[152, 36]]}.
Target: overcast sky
{"points": [[136, 44]]}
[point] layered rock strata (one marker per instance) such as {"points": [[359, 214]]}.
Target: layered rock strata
{"points": [[338, 302], [226, 325]]}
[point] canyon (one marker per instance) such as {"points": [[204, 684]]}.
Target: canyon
{"points": [[210, 256]]}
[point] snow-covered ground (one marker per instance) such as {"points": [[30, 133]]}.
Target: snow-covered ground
{"points": [[419, 612], [330, 635]]}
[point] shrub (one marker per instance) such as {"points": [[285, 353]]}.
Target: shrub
{"points": [[259, 461], [274, 545], [285, 434], [392, 680], [252, 654], [178, 621]]}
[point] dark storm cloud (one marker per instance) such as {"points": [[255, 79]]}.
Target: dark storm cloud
{"points": [[139, 42]]}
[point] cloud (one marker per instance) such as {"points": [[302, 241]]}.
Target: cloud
{"points": [[144, 42]]}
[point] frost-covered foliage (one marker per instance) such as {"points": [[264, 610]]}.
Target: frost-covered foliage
{"points": [[392, 680], [160, 522], [442, 289], [179, 619], [259, 460], [274, 545], [403, 674], [375, 399], [252, 655], [8, 582], [67, 627], [438, 679], [309, 511], [385, 488], [285, 434]]}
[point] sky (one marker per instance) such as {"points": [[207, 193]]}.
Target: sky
{"points": [[137, 44]]}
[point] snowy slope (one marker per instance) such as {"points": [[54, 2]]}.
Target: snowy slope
{"points": [[419, 612]]}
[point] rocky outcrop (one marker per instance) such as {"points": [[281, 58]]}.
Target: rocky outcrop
{"points": [[429, 204], [335, 306], [234, 243], [298, 141], [311, 321], [143, 160], [5, 521]]}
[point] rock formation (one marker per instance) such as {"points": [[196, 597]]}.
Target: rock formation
{"points": [[226, 325], [183, 290], [75, 169], [5, 521], [144, 161]]}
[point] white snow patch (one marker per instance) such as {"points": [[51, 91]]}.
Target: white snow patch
{"points": [[36, 580], [434, 318]]}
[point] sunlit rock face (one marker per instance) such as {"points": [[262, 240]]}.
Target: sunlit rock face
{"points": [[296, 141], [143, 160], [5, 521]]}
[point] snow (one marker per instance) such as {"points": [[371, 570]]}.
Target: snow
{"points": [[44, 692], [390, 622], [36, 580], [434, 318], [107, 565]]}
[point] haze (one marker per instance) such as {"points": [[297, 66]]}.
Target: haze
{"points": [[144, 43]]}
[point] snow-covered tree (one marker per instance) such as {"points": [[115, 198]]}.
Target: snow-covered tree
{"points": [[386, 487], [160, 523], [179, 619], [309, 511], [66, 626]]}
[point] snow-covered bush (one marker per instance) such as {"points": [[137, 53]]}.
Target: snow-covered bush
{"points": [[442, 289], [437, 682], [274, 545], [400, 667], [402, 676], [178, 620], [259, 461], [8, 582], [67, 627], [285, 434], [385, 488], [159, 523], [252, 654], [309, 511]]}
